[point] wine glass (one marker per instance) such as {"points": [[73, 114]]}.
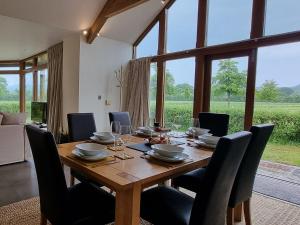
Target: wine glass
{"points": [[115, 130], [194, 124], [177, 124], [126, 132]]}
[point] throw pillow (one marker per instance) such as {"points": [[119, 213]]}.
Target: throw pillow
{"points": [[13, 118]]}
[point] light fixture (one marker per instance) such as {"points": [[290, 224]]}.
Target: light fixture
{"points": [[163, 2], [98, 34], [85, 32]]}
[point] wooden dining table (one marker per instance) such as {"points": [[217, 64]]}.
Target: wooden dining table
{"points": [[129, 177]]}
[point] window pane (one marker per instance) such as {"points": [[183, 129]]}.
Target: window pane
{"points": [[149, 45], [182, 25], [282, 16], [277, 100], [228, 21], [28, 94], [9, 67], [228, 90], [179, 91], [153, 90], [9, 93], [42, 85]]}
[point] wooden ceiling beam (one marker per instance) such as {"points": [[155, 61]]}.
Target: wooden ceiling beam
{"points": [[111, 8]]}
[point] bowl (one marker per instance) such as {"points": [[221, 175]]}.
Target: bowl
{"points": [[146, 130], [103, 135], [167, 150], [198, 131], [90, 149], [212, 140]]}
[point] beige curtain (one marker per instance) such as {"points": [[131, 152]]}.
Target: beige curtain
{"points": [[136, 91], [54, 94]]}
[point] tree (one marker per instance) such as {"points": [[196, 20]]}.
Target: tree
{"points": [[268, 91], [169, 84], [185, 90], [3, 87], [229, 80]]}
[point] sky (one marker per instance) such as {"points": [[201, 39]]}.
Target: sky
{"points": [[229, 21]]}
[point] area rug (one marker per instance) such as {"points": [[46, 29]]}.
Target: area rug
{"points": [[277, 188], [265, 211]]}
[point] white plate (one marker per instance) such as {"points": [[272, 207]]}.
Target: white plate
{"points": [[104, 154], [105, 142], [180, 157], [203, 144]]}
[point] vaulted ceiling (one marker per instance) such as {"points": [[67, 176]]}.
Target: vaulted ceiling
{"points": [[30, 26]]}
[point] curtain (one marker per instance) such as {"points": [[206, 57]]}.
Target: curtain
{"points": [[136, 91], [54, 94]]}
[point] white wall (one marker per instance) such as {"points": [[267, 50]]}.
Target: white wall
{"points": [[71, 54], [98, 61]]}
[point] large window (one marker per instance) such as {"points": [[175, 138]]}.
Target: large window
{"points": [[228, 90], [179, 91], [9, 93], [228, 21], [182, 25], [149, 45], [282, 16], [277, 100]]}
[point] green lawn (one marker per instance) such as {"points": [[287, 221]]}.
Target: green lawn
{"points": [[287, 154]]}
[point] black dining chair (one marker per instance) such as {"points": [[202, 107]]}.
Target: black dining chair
{"points": [[217, 123], [168, 206], [81, 204], [122, 117], [81, 128], [243, 185]]}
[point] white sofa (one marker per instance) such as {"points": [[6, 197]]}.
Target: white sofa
{"points": [[14, 145]]}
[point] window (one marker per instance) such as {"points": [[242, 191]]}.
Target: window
{"points": [[28, 94], [182, 25], [282, 16], [29, 64], [277, 100], [15, 68], [9, 93], [42, 59], [228, 90], [228, 21], [153, 91], [179, 91], [149, 45], [42, 85]]}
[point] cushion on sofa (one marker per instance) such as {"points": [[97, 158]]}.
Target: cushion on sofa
{"points": [[13, 118]]}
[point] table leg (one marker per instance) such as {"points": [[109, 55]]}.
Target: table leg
{"points": [[128, 206], [238, 213]]}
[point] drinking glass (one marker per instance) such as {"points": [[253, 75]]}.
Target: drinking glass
{"points": [[177, 124], [115, 130], [126, 132], [193, 125]]}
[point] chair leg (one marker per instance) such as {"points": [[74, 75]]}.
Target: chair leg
{"points": [[230, 216], [247, 211], [238, 213], [43, 220], [173, 185], [72, 180]]}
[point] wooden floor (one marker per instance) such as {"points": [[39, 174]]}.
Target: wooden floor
{"points": [[18, 182]]}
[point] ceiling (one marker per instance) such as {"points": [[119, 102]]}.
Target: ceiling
{"points": [[30, 26]]}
